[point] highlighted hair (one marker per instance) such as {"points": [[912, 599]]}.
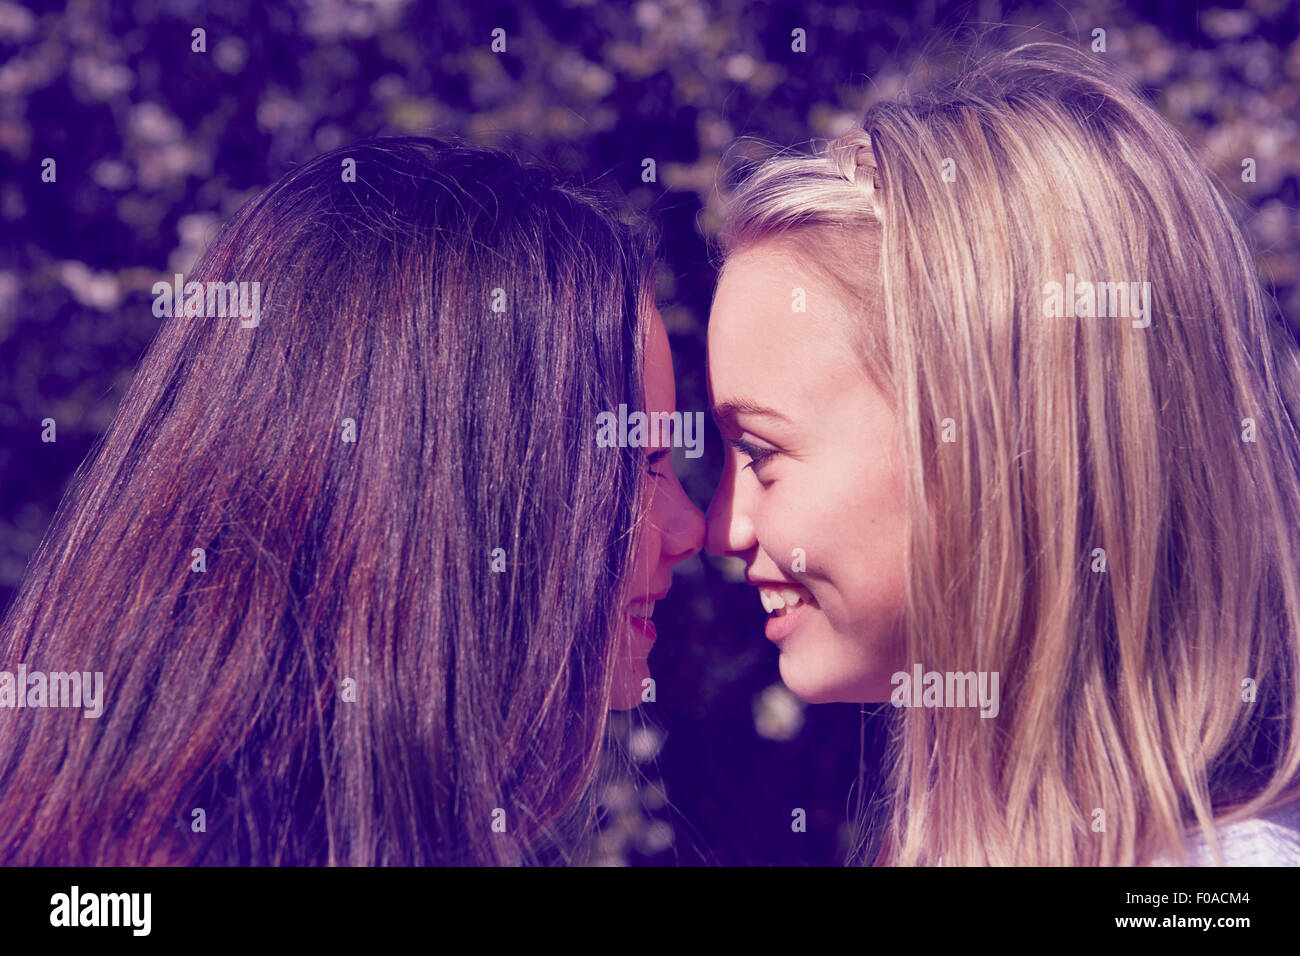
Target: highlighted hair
{"points": [[943, 219]]}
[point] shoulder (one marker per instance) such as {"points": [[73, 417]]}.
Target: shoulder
{"points": [[1272, 839]]}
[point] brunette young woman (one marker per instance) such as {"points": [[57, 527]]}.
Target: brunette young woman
{"points": [[360, 581]]}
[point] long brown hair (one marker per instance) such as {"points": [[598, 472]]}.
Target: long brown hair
{"points": [[395, 644]]}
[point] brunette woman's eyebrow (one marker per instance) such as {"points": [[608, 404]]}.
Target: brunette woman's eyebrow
{"points": [[728, 410]]}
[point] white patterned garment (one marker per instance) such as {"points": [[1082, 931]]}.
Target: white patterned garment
{"points": [[1270, 840]]}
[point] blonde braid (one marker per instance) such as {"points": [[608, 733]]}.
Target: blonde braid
{"points": [[851, 156]]}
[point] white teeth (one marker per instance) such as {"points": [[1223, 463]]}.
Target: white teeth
{"points": [[780, 600], [644, 609]]}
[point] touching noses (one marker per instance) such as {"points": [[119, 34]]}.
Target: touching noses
{"points": [[680, 524]]}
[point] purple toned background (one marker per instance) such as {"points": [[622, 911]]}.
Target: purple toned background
{"points": [[157, 145]]}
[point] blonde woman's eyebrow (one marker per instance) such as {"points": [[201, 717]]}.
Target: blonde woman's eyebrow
{"points": [[728, 410]]}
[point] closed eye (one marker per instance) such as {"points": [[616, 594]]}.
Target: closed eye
{"points": [[754, 453], [654, 459]]}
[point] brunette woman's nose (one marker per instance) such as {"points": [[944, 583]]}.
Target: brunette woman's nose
{"points": [[684, 535]]}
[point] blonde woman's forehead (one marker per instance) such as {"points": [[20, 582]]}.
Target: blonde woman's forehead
{"points": [[777, 250], [774, 278]]}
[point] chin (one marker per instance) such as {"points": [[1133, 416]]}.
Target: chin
{"points": [[814, 687], [810, 688], [625, 701], [627, 689]]}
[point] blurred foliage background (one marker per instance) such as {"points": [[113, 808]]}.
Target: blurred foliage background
{"points": [[156, 145]]}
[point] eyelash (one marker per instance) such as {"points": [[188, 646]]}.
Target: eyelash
{"points": [[755, 454], [654, 460]]}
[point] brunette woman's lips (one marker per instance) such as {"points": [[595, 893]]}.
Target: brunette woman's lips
{"points": [[639, 614], [787, 605], [645, 626]]}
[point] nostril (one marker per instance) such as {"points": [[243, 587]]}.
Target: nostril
{"points": [[698, 531], [686, 537]]}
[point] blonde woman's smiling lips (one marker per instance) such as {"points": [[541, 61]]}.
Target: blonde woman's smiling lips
{"points": [[787, 605]]}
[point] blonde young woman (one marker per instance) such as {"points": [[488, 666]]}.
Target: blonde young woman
{"points": [[963, 448]]}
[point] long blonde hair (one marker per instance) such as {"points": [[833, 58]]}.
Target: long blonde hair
{"points": [[1113, 510]]}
